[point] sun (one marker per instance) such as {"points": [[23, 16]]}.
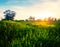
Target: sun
{"points": [[43, 15]]}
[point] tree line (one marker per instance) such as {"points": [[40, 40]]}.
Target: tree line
{"points": [[9, 15]]}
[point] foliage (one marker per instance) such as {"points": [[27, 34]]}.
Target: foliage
{"points": [[9, 15], [18, 34]]}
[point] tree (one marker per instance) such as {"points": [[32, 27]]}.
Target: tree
{"points": [[9, 15], [31, 18]]}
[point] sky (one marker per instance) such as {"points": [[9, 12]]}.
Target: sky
{"points": [[36, 8]]}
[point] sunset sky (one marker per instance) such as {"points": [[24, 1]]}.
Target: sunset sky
{"points": [[36, 8]]}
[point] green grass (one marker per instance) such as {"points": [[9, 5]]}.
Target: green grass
{"points": [[24, 34]]}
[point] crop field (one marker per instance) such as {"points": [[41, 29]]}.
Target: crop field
{"points": [[29, 34]]}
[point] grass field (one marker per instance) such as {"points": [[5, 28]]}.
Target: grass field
{"points": [[29, 34]]}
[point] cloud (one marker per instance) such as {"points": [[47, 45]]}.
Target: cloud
{"points": [[26, 2], [22, 2]]}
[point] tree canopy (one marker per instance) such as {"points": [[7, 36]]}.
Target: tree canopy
{"points": [[9, 15]]}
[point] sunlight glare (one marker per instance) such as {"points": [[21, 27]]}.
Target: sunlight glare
{"points": [[43, 15]]}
